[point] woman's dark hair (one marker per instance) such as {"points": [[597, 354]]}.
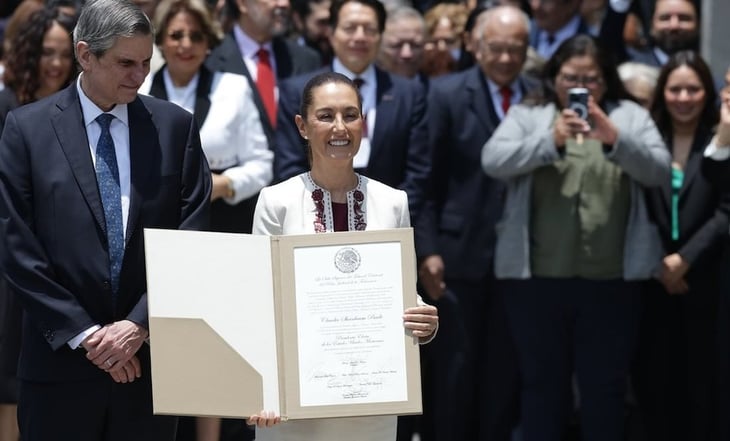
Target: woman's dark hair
{"points": [[24, 56], [710, 114], [320, 80], [579, 46]]}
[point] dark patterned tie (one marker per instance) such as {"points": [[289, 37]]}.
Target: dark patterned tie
{"points": [[107, 176]]}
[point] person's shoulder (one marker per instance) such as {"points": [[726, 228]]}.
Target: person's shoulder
{"points": [[379, 189], [296, 83], [454, 82], [230, 82], [284, 189], [295, 49], [162, 108]]}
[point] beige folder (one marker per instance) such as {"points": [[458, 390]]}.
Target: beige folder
{"points": [[223, 323]]}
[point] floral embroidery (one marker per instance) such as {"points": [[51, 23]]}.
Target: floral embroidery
{"points": [[323, 221], [319, 218], [358, 222]]}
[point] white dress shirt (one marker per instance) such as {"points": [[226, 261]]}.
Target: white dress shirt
{"points": [[369, 94], [249, 49], [119, 130], [545, 48]]}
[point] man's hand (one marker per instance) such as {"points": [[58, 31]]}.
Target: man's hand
{"points": [[674, 268], [111, 347], [129, 372], [431, 276]]}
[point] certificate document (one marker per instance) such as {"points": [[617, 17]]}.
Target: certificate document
{"points": [[349, 308], [308, 326]]}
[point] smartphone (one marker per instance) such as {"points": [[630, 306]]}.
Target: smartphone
{"points": [[578, 101]]}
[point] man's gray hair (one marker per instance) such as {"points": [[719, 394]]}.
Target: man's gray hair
{"points": [[401, 12], [103, 21]]}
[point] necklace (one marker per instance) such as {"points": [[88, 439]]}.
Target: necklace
{"points": [[323, 219]]}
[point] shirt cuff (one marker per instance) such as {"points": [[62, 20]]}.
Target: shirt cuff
{"points": [[718, 153], [76, 341], [620, 6]]}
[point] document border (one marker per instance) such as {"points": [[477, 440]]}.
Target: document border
{"points": [[287, 323]]}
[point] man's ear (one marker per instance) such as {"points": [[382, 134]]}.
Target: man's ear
{"points": [[83, 54]]}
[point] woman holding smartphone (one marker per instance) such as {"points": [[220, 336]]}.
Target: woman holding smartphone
{"points": [[575, 239]]}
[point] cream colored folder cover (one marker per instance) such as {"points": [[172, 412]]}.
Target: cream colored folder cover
{"points": [[307, 326]]}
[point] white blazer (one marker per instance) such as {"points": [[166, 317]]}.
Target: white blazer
{"points": [[288, 208], [232, 136]]}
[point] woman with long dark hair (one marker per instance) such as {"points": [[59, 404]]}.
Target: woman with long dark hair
{"points": [[676, 364]]}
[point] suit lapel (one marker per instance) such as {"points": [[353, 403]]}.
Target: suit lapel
{"points": [[143, 145], [481, 100], [284, 63], [157, 88], [202, 96], [694, 160], [386, 111], [68, 122]]}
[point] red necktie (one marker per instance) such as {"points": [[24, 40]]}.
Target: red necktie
{"points": [[506, 93], [265, 84]]}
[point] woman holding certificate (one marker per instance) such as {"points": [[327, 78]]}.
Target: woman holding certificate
{"points": [[332, 197]]}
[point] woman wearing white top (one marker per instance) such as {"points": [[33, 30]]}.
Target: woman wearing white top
{"points": [[230, 129], [332, 197]]}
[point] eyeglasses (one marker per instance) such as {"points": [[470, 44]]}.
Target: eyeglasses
{"points": [[194, 36], [571, 80], [513, 50]]}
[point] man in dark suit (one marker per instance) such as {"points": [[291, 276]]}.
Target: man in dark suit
{"points": [[674, 26], [393, 149], [259, 32], [554, 21], [472, 364], [261, 25], [82, 173]]}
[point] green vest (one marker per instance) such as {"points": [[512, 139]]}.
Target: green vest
{"points": [[579, 210]]}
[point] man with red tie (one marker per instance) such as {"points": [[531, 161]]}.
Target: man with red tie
{"points": [[258, 49], [471, 365], [393, 149]]}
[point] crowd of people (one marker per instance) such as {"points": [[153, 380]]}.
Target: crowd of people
{"points": [[572, 262]]}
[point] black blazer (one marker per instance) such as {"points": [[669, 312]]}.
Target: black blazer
{"points": [[399, 151], [291, 59], [703, 211], [52, 221], [463, 204]]}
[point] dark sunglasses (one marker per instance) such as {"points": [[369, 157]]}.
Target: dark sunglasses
{"points": [[195, 36]]}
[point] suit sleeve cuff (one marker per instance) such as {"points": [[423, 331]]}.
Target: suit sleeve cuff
{"points": [[76, 341], [717, 153]]}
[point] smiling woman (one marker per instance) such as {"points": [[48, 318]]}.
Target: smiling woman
{"points": [[676, 364], [332, 197]]}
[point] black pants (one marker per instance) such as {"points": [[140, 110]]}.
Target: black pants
{"points": [[96, 410], [562, 326]]}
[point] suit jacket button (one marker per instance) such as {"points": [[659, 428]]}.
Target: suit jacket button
{"points": [[107, 285]]}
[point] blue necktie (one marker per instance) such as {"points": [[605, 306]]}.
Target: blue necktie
{"points": [[107, 175]]}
